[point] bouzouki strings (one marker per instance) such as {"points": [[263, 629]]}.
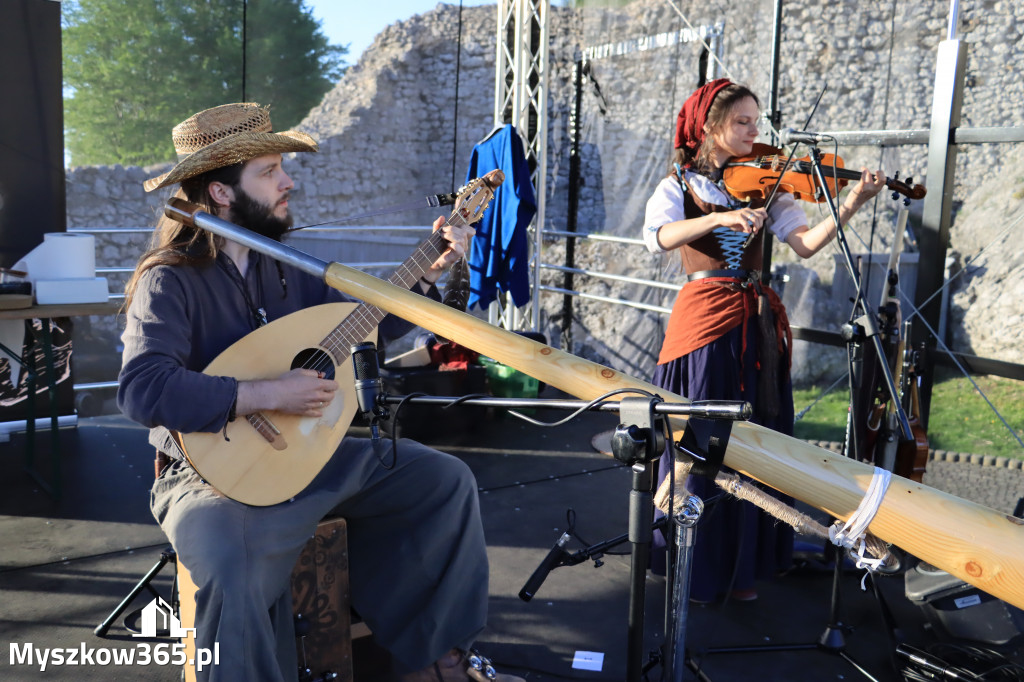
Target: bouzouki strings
{"points": [[365, 318]]}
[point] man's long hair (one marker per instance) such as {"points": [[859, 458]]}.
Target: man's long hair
{"points": [[174, 243]]}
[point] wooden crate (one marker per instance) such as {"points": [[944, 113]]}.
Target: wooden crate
{"points": [[320, 596]]}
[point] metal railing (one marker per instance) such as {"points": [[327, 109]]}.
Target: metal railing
{"points": [[107, 271], [975, 363]]}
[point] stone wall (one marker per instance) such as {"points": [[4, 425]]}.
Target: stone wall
{"points": [[402, 122]]}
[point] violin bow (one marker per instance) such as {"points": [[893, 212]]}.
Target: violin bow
{"points": [[789, 159], [771, 197]]}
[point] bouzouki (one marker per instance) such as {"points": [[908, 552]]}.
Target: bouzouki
{"points": [[272, 456]]}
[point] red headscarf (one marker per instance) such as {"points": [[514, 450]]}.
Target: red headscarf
{"points": [[694, 114]]}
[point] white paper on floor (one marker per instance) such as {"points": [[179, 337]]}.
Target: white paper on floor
{"points": [[588, 660]]}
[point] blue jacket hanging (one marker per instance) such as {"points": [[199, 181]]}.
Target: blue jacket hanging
{"points": [[499, 256]]}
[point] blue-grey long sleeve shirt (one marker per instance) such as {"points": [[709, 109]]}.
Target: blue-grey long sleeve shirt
{"points": [[183, 316]]}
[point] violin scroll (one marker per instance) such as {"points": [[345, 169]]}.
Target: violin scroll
{"points": [[904, 187]]}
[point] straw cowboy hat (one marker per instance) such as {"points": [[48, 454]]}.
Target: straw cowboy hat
{"points": [[223, 136]]}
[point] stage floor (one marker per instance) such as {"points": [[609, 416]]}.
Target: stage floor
{"points": [[65, 566]]}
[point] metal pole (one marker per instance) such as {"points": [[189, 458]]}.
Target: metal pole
{"points": [[774, 109], [775, 116], [182, 211], [574, 203], [954, 16], [950, 69], [675, 653], [540, 89], [641, 516]]}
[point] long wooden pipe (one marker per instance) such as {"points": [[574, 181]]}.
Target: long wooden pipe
{"points": [[975, 543]]}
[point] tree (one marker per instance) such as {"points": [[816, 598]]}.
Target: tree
{"points": [[133, 69]]}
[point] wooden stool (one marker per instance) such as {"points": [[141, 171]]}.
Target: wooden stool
{"points": [[320, 597]]}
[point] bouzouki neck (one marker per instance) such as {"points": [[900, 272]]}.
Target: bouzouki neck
{"points": [[365, 318]]}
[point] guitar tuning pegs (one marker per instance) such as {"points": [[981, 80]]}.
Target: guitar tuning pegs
{"points": [[909, 181], [896, 175], [895, 196], [906, 201]]}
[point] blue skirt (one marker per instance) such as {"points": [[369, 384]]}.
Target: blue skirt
{"points": [[736, 543]]}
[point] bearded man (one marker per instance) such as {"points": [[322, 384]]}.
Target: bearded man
{"points": [[418, 562]]}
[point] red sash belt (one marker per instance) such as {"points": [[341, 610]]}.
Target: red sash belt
{"points": [[708, 308]]}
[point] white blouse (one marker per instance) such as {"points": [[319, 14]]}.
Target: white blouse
{"points": [[666, 206]]}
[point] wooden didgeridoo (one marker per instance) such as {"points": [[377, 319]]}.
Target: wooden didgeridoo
{"points": [[975, 543]]}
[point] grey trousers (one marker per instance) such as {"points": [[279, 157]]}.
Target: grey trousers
{"points": [[417, 558]]}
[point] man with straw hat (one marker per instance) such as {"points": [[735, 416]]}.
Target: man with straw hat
{"points": [[418, 565]]}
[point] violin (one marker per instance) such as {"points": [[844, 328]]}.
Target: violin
{"points": [[754, 176]]}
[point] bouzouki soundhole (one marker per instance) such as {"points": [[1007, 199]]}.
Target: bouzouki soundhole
{"points": [[315, 359]]}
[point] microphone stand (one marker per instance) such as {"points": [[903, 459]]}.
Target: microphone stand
{"points": [[638, 442], [863, 325]]}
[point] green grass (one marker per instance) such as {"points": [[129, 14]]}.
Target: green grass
{"points": [[960, 419]]}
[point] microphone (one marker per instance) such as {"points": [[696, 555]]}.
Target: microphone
{"points": [[368, 382], [721, 409], [790, 136], [551, 561]]}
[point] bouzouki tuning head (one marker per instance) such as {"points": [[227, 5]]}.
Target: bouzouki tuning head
{"points": [[473, 198]]}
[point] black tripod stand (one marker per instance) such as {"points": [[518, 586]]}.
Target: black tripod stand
{"points": [[166, 556], [832, 640], [638, 442]]}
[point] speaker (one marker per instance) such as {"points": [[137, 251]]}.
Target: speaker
{"points": [[32, 200], [960, 610]]}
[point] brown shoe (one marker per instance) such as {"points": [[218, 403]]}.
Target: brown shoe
{"points": [[744, 595]]}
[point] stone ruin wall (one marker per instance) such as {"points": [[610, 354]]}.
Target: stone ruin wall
{"points": [[386, 133]]}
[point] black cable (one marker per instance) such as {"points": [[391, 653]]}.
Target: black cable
{"points": [[455, 121], [592, 403], [245, 42], [394, 431]]}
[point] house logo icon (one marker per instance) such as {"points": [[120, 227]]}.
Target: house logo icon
{"points": [[158, 619]]}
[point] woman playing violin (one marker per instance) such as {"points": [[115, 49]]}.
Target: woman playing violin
{"points": [[728, 336]]}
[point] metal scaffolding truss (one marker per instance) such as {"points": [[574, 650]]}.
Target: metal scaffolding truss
{"points": [[520, 98]]}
